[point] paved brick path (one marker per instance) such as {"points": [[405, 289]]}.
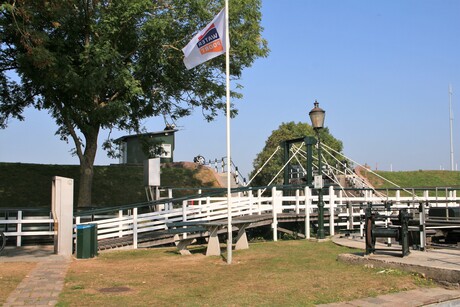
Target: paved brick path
{"points": [[413, 298], [41, 287]]}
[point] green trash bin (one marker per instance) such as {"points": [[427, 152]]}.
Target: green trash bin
{"points": [[94, 245], [85, 241]]}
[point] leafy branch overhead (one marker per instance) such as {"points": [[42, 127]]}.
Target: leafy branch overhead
{"points": [[100, 64]]}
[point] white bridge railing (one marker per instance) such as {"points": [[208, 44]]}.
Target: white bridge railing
{"points": [[343, 211]]}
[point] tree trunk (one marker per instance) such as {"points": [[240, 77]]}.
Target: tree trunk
{"points": [[87, 170]]}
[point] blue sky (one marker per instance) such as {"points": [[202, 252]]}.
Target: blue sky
{"points": [[380, 69]]}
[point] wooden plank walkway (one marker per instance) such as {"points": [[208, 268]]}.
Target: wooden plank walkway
{"points": [[162, 237]]}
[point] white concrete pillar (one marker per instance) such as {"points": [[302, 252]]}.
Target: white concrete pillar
{"points": [[62, 208]]}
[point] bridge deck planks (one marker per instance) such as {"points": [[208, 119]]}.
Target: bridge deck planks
{"points": [[162, 237]]}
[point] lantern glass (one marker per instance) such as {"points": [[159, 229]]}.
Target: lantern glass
{"points": [[317, 116]]}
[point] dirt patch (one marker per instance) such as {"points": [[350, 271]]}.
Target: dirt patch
{"points": [[367, 176], [201, 172]]}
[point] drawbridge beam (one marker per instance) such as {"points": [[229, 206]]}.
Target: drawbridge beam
{"points": [[309, 142]]}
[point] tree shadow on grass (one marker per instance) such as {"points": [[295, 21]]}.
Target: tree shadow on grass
{"points": [[194, 249]]}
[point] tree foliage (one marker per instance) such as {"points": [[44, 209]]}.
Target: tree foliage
{"points": [[102, 64], [289, 131]]}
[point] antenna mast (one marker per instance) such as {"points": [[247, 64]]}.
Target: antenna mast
{"points": [[451, 124]]}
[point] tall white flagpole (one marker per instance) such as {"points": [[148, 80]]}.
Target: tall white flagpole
{"points": [[451, 119], [229, 159]]}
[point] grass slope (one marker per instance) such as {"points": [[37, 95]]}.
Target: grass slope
{"points": [[415, 179], [29, 185]]}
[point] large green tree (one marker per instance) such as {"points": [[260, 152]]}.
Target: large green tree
{"points": [[263, 175], [104, 64]]}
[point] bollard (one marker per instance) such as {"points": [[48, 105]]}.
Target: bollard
{"points": [[400, 233]]}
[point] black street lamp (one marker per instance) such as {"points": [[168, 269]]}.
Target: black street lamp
{"points": [[317, 116]]}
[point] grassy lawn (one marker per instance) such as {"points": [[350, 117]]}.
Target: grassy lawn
{"points": [[270, 273], [11, 274], [414, 179]]}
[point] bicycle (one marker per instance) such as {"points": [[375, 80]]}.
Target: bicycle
{"points": [[2, 241]]}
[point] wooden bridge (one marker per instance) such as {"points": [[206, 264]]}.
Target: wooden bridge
{"points": [[138, 226], [162, 237]]}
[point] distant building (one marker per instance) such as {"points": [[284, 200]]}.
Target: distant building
{"points": [[134, 149]]}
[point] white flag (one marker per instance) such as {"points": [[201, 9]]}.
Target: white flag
{"points": [[207, 44]]}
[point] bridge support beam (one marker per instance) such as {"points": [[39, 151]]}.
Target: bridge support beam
{"points": [[309, 142]]}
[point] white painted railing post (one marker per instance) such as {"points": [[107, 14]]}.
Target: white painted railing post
{"points": [[351, 224], [340, 204], [120, 224], [208, 206], [297, 200], [19, 229], [184, 215], [259, 201], [135, 228], [275, 215], [331, 211], [387, 222], [199, 202], [238, 201], [426, 194], [307, 212], [170, 196], [184, 210], [422, 218], [251, 201]]}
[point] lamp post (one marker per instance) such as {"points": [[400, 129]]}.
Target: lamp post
{"points": [[317, 120]]}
